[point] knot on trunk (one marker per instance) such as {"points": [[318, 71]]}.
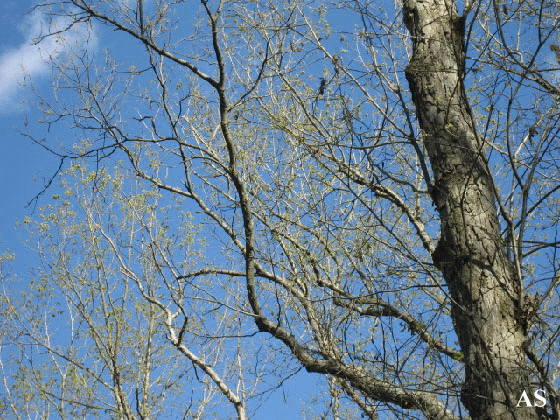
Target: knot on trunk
{"points": [[443, 256], [410, 16]]}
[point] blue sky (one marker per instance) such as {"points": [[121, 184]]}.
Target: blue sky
{"points": [[23, 165], [26, 167]]}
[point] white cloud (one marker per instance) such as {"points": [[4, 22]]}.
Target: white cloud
{"points": [[32, 61]]}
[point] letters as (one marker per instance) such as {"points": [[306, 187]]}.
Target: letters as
{"points": [[540, 399]]}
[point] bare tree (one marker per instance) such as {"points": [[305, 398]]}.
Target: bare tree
{"points": [[377, 184]]}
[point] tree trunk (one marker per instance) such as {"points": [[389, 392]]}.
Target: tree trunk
{"points": [[485, 291]]}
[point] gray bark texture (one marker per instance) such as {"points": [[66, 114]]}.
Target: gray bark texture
{"points": [[486, 294]]}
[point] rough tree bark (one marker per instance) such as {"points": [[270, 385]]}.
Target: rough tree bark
{"points": [[470, 253]]}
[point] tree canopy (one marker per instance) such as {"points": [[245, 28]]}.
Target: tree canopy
{"points": [[255, 191]]}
